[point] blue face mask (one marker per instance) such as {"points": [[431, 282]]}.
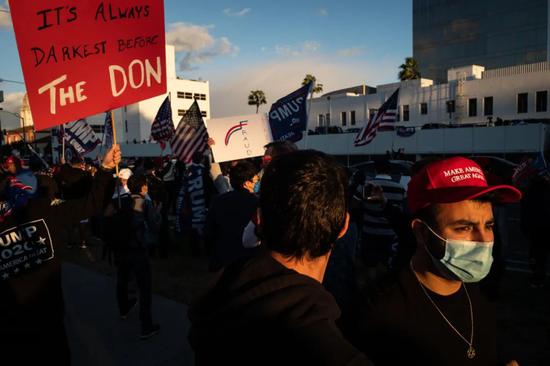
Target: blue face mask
{"points": [[468, 261], [257, 187]]}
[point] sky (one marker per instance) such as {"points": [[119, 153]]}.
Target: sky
{"points": [[239, 46]]}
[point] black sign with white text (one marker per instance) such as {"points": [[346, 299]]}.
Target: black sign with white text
{"points": [[24, 247]]}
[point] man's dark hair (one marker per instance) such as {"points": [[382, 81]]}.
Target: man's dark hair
{"points": [[280, 147], [135, 182], [240, 173], [303, 203]]}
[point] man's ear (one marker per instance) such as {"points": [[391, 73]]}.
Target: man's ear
{"points": [[345, 227], [419, 230], [249, 185]]}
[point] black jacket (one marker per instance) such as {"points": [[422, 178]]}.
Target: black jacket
{"points": [[262, 313], [223, 233], [31, 299]]}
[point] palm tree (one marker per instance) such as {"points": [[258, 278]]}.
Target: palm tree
{"points": [[257, 98], [409, 70], [317, 87]]}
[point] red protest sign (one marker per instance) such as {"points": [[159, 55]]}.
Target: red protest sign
{"points": [[85, 57]]}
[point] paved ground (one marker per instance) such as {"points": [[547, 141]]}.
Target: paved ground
{"points": [[97, 336]]}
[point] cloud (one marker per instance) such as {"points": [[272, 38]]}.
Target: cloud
{"points": [[12, 102], [350, 52], [322, 12], [229, 88], [306, 48], [234, 13], [198, 44], [5, 17]]}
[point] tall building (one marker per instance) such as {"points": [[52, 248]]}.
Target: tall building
{"points": [[493, 33]]}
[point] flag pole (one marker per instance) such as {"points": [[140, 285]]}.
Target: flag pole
{"points": [[117, 187], [114, 136], [309, 110]]}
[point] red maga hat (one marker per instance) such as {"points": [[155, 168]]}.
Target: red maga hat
{"points": [[453, 180]]}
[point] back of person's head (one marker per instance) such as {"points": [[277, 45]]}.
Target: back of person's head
{"points": [[303, 204], [277, 148], [136, 182], [242, 172]]}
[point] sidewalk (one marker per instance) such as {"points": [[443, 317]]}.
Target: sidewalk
{"points": [[97, 336]]}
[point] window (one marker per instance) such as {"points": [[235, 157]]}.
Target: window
{"points": [[181, 112], [321, 120], [185, 95], [423, 108], [344, 118], [405, 113], [472, 107], [522, 102], [488, 106], [327, 119], [542, 101], [352, 118], [451, 107], [200, 96]]}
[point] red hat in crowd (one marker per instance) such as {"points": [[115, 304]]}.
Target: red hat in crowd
{"points": [[453, 180], [12, 160]]}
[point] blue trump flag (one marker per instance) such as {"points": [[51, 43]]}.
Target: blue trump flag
{"points": [[288, 115]]}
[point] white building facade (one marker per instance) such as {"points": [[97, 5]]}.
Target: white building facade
{"points": [[514, 98], [472, 95], [133, 122]]}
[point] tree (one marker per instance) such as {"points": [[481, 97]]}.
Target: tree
{"points": [[317, 87], [257, 98], [409, 70]]}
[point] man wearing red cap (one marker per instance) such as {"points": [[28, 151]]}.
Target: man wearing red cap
{"points": [[432, 312]]}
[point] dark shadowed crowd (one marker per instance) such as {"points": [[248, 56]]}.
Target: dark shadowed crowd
{"points": [[285, 235]]}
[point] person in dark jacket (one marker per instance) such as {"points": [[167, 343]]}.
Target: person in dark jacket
{"points": [[229, 214], [127, 226], [32, 329], [271, 309]]}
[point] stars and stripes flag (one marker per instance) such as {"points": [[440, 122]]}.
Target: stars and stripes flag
{"points": [[162, 129], [108, 131], [385, 116], [190, 136]]}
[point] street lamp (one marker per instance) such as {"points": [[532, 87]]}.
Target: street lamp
{"points": [[11, 81]]}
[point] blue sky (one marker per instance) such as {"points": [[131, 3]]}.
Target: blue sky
{"points": [[270, 45]]}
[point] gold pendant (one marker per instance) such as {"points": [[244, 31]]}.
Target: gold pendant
{"points": [[471, 352]]}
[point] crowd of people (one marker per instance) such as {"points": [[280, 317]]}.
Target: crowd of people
{"points": [[283, 235]]}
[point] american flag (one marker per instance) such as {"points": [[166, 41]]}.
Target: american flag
{"points": [[385, 116], [190, 136], [162, 128], [108, 131]]}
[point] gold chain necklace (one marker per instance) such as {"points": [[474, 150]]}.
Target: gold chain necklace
{"points": [[471, 352]]}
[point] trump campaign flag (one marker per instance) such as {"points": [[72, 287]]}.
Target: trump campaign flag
{"points": [[80, 136], [288, 115], [385, 116]]}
